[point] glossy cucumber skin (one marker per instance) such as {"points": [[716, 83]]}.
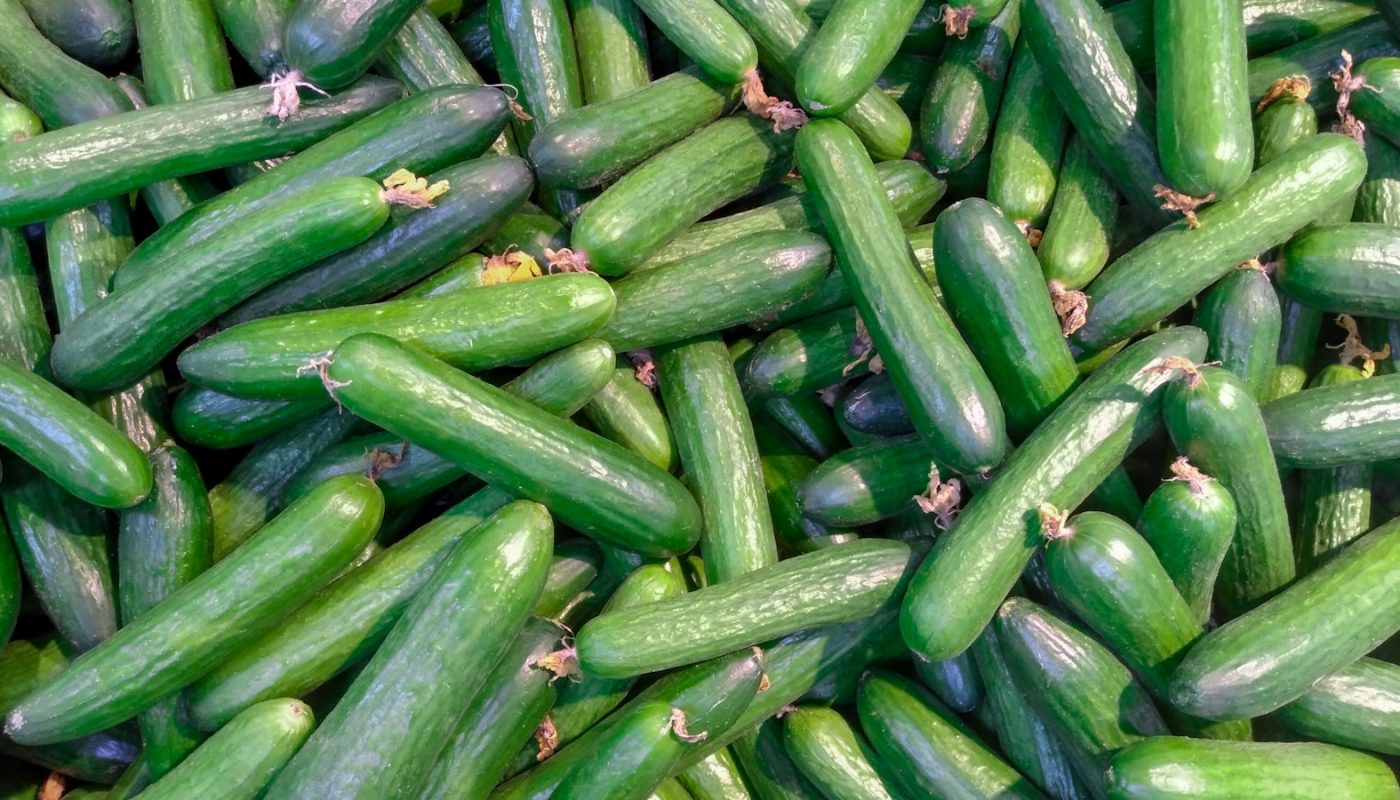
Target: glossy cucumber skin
{"points": [[961, 103], [208, 418], [906, 80], [849, 51], [1336, 502], [995, 293], [1352, 268], [207, 619], [182, 50], [785, 464], [955, 681], [243, 757], [1380, 114], [612, 48], [874, 407], [1356, 707], [534, 50], [767, 768], [24, 331], [167, 199], [1378, 199], [867, 483], [1190, 526], [1316, 57], [331, 44], [1203, 119], [1296, 346], [531, 229], [627, 501], [1172, 768], [774, 601], [1343, 609], [1031, 130], [497, 575], [714, 166], [628, 413], [953, 405], [807, 357], [38, 74], [1142, 286], [976, 563], [100, 34], [1331, 426], [255, 28], [422, 55], [833, 756], [1083, 220], [715, 439], [707, 34], [715, 777], [930, 750], [596, 144], [1282, 124], [738, 282], [1241, 315]]}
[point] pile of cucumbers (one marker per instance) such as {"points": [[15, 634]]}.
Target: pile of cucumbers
{"points": [[700, 399]]}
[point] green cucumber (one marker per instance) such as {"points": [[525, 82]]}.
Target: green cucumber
{"points": [[1331, 426], [635, 217], [994, 291], [1189, 520], [239, 761], [868, 483], [1352, 268], [467, 272], [182, 50], [1341, 610], [716, 777], [848, 52], [422, 55], [1316, 57], [1378, 199], [255, 28], [785, 465], [874, 407], [534, 51], [472, 33], [907, 326], [1356, 707], [905, 80], [955, 681], [11, 588], [1300, 328], [575, 565], [530, 229], [670, 789], [496, 574], [1031, 130], [1283, 123], [24, 332], [331, 44], [627, 412], [1160, 275], [167, 199], [931, 752], [1241, 316], [838, 687], [960, 106], [808, 356], [976, 563], [1336, 502], [767, 769], [707, 34], [809, 421], [1172, 768], [1083, 220], [1380, 114], [208, 619], [1206, 141], [38, 74], [800, 592], [612, 48], [836, 759], [623, 500], [595, 145], [208, 418], [99, 33]]}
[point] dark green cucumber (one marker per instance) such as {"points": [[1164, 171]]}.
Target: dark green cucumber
{"points": [[874, 407], [472, 33], [1336, 502], [715, 777], [1341, 610], [1241, 316], [905, 80], [994, 291], [767, 768], [961, 103], [1378, 199], [1356, 707], [809, 421], [868, 483], [1075, 246], [1172, 768], [496, 574], [977, 562], [839, 686], [25, 339], [955, 681], [1317, 57], [99, 33], [532, 230], [908, 328], [786, 464], [808, 356], [422, 55], [38, 74], [1335, 425], [1087, 697], [848, 52], [1297, 345], [612, 48], [707, 34], [1086, 67], [1283, 123], [734, 283], [208, 619], [715, 441], [534, 50], [574, 568], [624, 501], [836, 759], [255, 28], [930, 751], [597, 144], [166, 199], [1203, 120], [1031, 130], [208, 418], [1380, 114], [635, 217], [628, 413], [331, 44], [1352, 268], [11, 588], [790, 595], [183, 56], [1164, 272], [1189, 521]]}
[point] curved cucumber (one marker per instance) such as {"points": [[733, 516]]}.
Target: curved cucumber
{"points": [[961, 103], [1031, 130], [255, 28], [628, 413], [849, 51], [1330, 426], [38, 74], [1190, 521], [1336, 502], [1358, 707], [1352, 268], [612, 48], [1241, 315], [182, 50], [99, 33], [707, 34], [833, 756], [1083, 221], [331, 43]]}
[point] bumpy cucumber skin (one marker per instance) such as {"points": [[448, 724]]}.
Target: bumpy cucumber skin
{"points": [[1030, 136], [331, 44], [1282, 124], [183, 56], [1083, 220], [1352, 268], [707, 34], [1380, 114], [848, 52], [833, 756], [1378, 199], [629, 760], [628, 413], [534, 50], [1356, 707], [1296, 346], [715, 777], [255, 28], [1336, 502], [24, 331], [612, 48], [1330, 426], [1190, 526], [1316, 57], [964, 95], [168, 199], [767, 768], [1241, 315]]}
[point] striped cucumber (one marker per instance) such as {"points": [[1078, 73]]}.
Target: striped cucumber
{"points": [[1189, 520], [1336, 502], [612, 48], [849, 51], [1031, 130], [1241, 315]]}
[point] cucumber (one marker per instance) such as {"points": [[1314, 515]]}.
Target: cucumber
{"points": [[99, 33], [467, 272], [961, 103], [472, 33], [807, 420], [1172, 768], [707, 34], [239, 761], [785, 465], [807, 357], [849, 51], [595, 145], [24, 332], [976, 563], [1316, 57], [1341, 610], [670, 789], [1031, 130], [994, 291], [612, 48], [1380, 114], [839, 685], [331, 44], [628, 413], [955, 682], [182, 50], [833, 757], [497, 574], [1241, 315], [11, 588], [874, 407], [868, 483], [1160, 275], [255, 28], [574, 568], [1083, 220], [907, 326], [635, 217], [1378, 199], [1352, 268], [1189, 520], [800, 592], [1283, 123], [422, 55], [1203, 120], [208, 619], [532, 230], [1297, 344], [168, 199], [1355, 707], [905, 80], [1336, 502], [38, 74], [1324, 427], [716, 777], [931, 752], [623, 500], [208, 418], [767, 769]]}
